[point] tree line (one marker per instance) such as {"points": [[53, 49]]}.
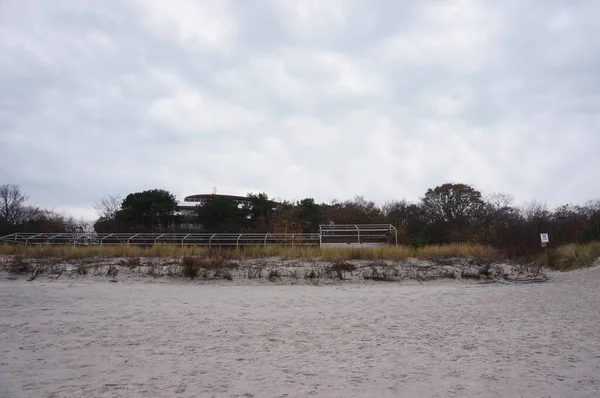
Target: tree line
{"points": [[17, 216], [449, 213]]}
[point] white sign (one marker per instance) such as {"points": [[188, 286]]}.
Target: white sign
{"points": [[544, 238]]}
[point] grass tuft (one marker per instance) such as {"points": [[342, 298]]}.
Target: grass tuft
{"points": [[573, 256], [19, 266]]}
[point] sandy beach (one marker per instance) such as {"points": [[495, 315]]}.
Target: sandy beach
{"points": [[94, 338]]}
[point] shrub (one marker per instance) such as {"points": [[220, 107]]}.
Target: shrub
{"points": [[343, 266], [223, 273], [208, 263], [153, 271], [191, 267], [572, 256], [19, 266], [313, 274], [133, 262], [81, 269], [339, 267], [112, 271], [255, 272], [470, 273], [294, 273], [374, 274], [274, 275], [485, 270]]}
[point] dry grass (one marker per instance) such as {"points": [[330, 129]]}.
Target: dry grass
{"points": [[574, 256], [333, 254], [71, 252]]}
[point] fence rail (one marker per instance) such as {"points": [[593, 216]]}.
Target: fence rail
{"points": [[357, 234], [338, 234], [147, 239]]}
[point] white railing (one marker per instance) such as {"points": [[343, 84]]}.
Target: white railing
{"points": [[361, 234]]}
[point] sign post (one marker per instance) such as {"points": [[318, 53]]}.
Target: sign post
{"points": [[545, 240]]}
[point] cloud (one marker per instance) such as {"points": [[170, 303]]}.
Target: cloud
{"points": [[201, 26], [299, 98]]}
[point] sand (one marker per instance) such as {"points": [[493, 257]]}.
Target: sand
{"points": [[94, 338]]}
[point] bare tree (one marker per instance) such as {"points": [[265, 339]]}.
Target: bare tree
{"points": [[11, 203], [500, 200], [535, 211], [108, 207]]}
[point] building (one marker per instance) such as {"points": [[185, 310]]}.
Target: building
{"points": [[187, 207]]}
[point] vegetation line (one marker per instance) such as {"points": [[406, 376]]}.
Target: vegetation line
{"points": [[251, 252]]}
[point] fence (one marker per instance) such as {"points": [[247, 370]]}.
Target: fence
{"points": [[148, 239], [357, 234], [328, 234]]}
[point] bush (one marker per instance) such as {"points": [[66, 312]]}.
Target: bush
{"points": [[573, 256], [223, 273], [343, 266], [470, 273], [19, 266], [133, 262], [81, 269], [112, 271], [339, 267], [153, 271], [485, 270], [255, 272], [193, 264], [190, 267], [274, 275], [313, 274]]}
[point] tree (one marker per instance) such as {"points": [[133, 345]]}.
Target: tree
{"points": [[15, 216], [409, 220], [568, 223], [310, 215], [108, 207], [11, 203], [499, 200], [355, 211], [151, 210], [260, 210], [452, 209], [222, 214], [592, 213], [285, 219], [502, 223]]}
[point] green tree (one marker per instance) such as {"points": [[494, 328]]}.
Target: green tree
{"points": [[221, 214], [451, 210], [311, 215], [409, 220], [260, 210], [148, 210]]}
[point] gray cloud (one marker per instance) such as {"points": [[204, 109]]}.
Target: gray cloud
{"points": [[321, 99]]}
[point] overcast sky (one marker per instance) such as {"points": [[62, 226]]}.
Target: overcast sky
{"points": [[306, 98]]}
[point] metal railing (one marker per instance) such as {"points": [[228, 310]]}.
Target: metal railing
{"points": [[147, 239], [357, 233], [347, 233]]}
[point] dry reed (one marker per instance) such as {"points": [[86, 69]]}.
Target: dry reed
{"points": [[251, 252]]}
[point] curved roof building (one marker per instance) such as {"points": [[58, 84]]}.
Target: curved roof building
{"points": [[202, 197]]}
